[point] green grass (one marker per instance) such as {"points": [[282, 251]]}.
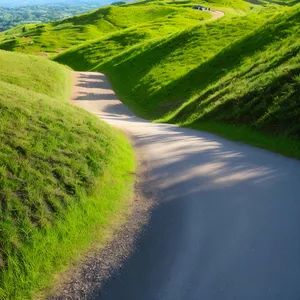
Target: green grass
{"points": [[260, 89], [243, 133], [64, 175], [172, 64], [88, 55], [153, 72], [247, 92], [237, 71], [56, 37], [164, 17]]}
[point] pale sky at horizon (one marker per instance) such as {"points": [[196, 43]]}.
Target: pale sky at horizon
{"points": [[40, 2]]}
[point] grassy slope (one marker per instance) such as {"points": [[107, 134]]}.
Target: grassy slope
{"points": [[230, 76], [153, 72], [63, 174], [220, 74], [259, 87], [55, 37], [88, 55], [180, 16]]}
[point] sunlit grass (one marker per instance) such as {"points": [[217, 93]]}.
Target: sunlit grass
{"points": [[54, 38], [64, 175], [236, 71]]}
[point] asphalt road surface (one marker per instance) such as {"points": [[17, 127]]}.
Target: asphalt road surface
{"points": [[227, 226]]}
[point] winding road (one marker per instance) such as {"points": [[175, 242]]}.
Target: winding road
{"points": [[227, 225], [216, 14]]}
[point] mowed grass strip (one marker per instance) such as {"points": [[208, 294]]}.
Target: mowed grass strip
{"points": [[64, 175]]}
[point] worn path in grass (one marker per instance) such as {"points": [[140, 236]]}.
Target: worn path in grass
{"points": [[216, 14], [228, 216]]}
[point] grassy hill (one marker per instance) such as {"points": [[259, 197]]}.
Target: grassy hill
{"points": [[88, 55], [57, 162], [170, 63], [236, 76], [169, 45], [142, 74], [259, 85], [53, 38]]}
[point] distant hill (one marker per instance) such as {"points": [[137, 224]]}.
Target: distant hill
{"points": [[14, 13]]}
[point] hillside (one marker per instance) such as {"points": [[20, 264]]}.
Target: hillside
{"points": [[88, 55], [236, 71], [259, 86], [53, 38], [167, 60], [57, 162], [170, 63]]}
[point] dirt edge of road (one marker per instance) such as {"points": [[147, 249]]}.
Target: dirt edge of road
{"points": [[85, 278]]}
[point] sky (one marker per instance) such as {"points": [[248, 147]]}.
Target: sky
{"points": [[32, 2]]}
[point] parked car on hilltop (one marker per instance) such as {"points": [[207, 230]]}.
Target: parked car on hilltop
{"points": [[199, 7]]}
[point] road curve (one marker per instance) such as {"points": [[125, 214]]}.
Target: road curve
{"points": [[216, 14], [227, 226]]}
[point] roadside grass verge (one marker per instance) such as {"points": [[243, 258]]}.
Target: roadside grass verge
{"points": [[241, 133], [64, 175]]}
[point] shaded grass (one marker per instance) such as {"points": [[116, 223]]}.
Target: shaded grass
{"points": [[224, 72], [64, 175], [53, 38], [154, 71], [262, 90], [88, 55]]}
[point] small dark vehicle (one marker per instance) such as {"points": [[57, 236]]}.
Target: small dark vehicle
{"points": [[199, 7]]}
